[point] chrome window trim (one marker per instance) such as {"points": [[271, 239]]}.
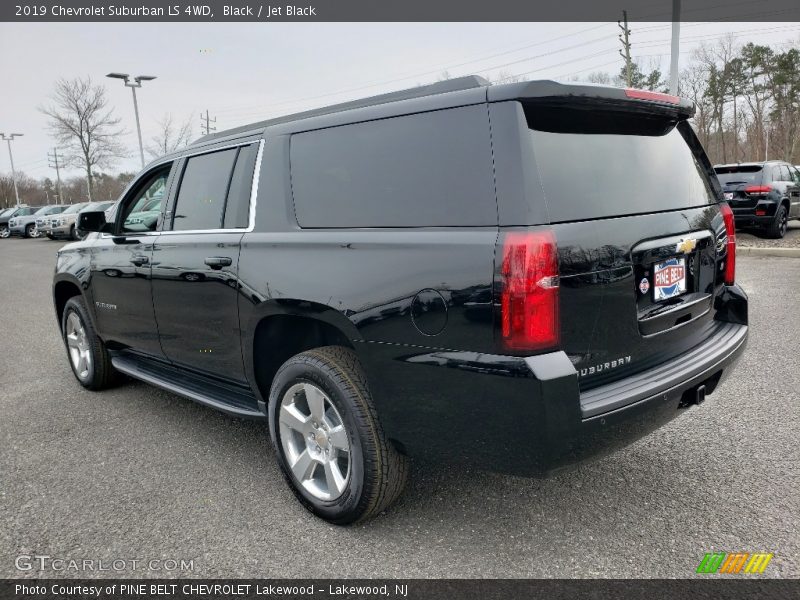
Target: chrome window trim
{"points": [[253, 195]]}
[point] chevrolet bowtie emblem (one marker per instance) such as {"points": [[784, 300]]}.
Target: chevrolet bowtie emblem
{"points": [[686, 246]]}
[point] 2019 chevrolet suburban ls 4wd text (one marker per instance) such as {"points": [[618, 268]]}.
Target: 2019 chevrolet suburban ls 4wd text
{"points": [[517, 276]]}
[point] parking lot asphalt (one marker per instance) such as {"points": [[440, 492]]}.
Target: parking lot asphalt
{"points": [[139, 473]]}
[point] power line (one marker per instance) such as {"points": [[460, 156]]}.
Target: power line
{"points": [[657, 43], [242, 110]]}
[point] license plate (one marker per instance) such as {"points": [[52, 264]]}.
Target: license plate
{"points": [[669, 279], [728, 195]]}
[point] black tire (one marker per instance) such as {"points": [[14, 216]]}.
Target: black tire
{"points": [[101, 374], [29, 230], [73, 234], [378, 473], [4, 231], [50, 236], [779, 224]]}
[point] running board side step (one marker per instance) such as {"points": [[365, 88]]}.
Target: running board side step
{"points": [[232, 399]]}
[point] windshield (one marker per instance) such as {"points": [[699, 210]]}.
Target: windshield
{"points": [[74, 208], [50, 210], [739, 174]]}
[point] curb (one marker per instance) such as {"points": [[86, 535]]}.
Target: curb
{"points": [[755, 251]]}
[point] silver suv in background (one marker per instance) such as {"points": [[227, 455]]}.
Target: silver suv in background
{"points": [[25, 224], [63, 225], [17, 211], [43, 220]]}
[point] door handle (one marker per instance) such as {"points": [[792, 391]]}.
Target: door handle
{"points": [[217, 262], [140, 260]]}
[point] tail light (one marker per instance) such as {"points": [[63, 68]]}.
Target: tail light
{"points": [[730, 231], [529, 296], [757, 190]]}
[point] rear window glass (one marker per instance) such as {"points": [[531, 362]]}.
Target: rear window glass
{"points": [[619, 165], [739, 174], [428, 169]]}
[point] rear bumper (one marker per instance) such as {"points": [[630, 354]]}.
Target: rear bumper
{"points": [[527, 416], [747, 217], [61, 230]]}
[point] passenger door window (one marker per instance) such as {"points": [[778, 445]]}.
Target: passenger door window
{"points": [[204, 186], [141, 212]]}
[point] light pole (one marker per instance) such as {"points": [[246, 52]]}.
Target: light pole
{"points": [[8, 139], [137, 83]]}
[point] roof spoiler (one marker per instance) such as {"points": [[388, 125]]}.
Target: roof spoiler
{"points": [[553, 92]]}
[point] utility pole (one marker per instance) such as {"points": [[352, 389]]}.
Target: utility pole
{"points": [[675, 52], [54, 165], [8, 139], [624, 37], [205, 123]]}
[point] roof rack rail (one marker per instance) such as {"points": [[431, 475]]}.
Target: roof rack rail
{"points": [[440, 87]]}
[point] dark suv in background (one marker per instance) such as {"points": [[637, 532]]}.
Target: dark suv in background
{"points": [[765, 195], [516, 276]]}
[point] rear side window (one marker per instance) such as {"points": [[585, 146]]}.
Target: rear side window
{"points": [[237, 208], [428, 169], [594, 165]]}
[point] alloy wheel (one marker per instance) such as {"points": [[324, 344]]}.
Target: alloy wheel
{"points": [[5, 232], [315, 441], [79, 353]]}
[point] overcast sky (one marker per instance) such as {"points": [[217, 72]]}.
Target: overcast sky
{"points": [[247, 72]]}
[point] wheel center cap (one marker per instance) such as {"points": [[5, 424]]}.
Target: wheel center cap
{"points": [[321, 438]]}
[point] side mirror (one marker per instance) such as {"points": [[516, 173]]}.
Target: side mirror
{"points": [[93, 220]]}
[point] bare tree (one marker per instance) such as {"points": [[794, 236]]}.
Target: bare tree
{"points": [[505, 77], [84, 126], [171, 136]]}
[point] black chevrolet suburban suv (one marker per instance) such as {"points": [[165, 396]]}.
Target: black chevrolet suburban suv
{"points": [[763, 195], [517, 276]]}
